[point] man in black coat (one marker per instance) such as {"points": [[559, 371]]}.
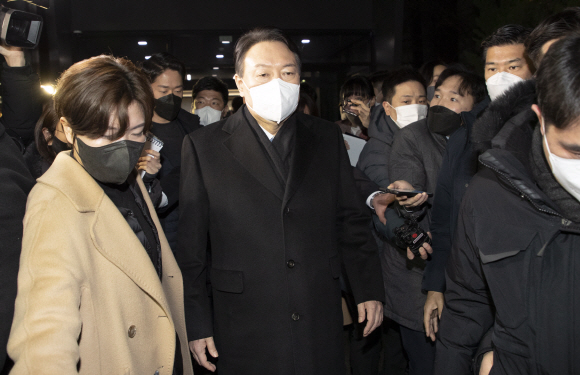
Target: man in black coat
{"points": [[518, 237], [274, 190], [15, 184]]}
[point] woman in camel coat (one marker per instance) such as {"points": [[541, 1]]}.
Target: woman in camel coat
{"points": [[99, 291]]}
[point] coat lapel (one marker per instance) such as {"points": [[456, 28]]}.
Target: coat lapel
{"points": [[248, 152], [304, 150]]}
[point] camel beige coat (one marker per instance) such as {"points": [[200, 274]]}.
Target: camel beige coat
{"points": [[89, 300]]}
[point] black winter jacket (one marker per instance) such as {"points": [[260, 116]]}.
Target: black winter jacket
{"points": [[172, 135], [459, 165], [514, 266]]}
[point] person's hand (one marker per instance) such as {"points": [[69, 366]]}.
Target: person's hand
{"points": [[424, 250], [432, 313], [363, 111], [486, 363], [14, 55], [380, 203], [346, 145], [150, 163], [198, 347], [373, 312], [405, 201]]}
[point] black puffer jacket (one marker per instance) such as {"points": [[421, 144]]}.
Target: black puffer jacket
{"points": [[514, 264]]}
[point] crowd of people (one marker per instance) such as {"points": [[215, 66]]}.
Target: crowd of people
{"points": [[139, 237]]}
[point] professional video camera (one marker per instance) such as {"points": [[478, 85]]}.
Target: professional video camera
{"points": [[19, 28], [411, 235]]}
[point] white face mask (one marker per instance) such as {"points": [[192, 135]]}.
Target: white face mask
{"points": [[208, 115], [500, 83], [407, 114], [566, 171], [275, 100]]}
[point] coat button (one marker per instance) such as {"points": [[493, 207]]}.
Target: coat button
{"points": [[132, 331], [290, 263], [287, 210], [156, 372], [295, 316]]}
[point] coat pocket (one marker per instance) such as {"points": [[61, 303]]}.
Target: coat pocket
{"points": [[505, 258], [335, 268], [227, 281]]}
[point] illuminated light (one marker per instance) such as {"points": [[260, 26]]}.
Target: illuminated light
{"points": [[219, 56], [49, 89], [216, 68], [214, 75], [225, 42], [189, 77], [147, 57], [305, 41], [142, 43]]}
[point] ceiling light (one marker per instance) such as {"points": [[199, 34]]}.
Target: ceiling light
{"points": [[147, 57], [219, 56], [214, 75], [216, 68], [225, 39], [189, 77], [305, 41], [49, 89], [142, 43]]}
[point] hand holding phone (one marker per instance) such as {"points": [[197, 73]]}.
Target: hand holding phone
{"points": [[406, 193]]}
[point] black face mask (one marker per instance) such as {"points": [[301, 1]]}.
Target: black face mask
{"points": [[442, 120], [59, 146], [168, 106], [111, 163]]}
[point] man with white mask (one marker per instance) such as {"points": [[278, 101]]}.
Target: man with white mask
{"points": [[514, 264], [272, 190], [506, 61], [210, 100], [404, 102]]}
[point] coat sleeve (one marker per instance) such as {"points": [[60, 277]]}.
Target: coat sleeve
{"points": [[405, 162], [373, 161], [192, 244], [468, 312], [21, 101], [47, 321], [358, 247], [440, 226]]}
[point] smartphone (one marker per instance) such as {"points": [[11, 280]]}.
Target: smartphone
{"points": [[406, 193], [346, 107]]}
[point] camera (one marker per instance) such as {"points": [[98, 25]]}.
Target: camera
{"points": [[19, 28], [410, 235]]}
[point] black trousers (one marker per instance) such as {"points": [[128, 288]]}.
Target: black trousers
{"points": [[420, 351]]}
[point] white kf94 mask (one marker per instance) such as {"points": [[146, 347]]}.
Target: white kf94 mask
{"points": [[566, 171], [275, 100], [208, 115], [407, 114], [499, 83]]}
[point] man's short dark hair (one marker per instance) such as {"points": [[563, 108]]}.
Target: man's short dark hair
{"points": [[397, 77], [471, 83], [211, 83], [160, 62], [357, 86], [558, 83], [504, 36], [554, 27], [258, 35]]}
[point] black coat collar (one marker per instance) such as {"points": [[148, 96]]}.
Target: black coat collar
{"points": [[247, 150]]}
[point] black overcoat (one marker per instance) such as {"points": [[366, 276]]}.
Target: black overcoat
{"points": [[276, 253]]}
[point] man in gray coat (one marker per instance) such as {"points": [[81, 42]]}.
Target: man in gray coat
{"points": [[416, 156]]}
